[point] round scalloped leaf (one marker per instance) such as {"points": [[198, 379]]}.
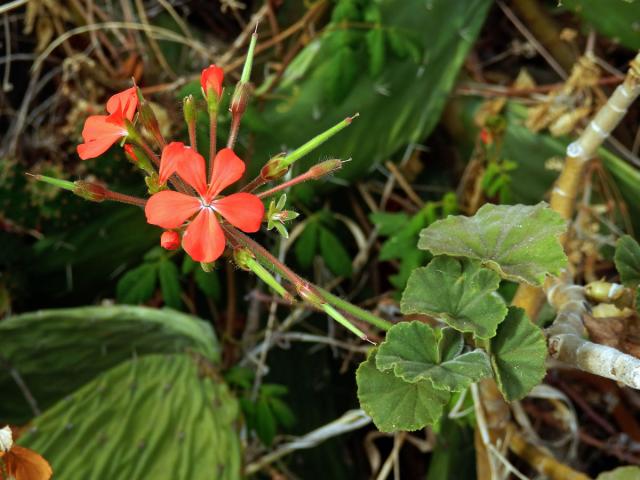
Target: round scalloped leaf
{"points": [[520, 242], [627, 259], [157, 416], [518, 355], [395, 404], [416, 352], [58, 351], [460, 292]]}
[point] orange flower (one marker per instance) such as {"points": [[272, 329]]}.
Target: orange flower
{"points": [[21, 463], [211, 78], [203, 239], [102, 131]]}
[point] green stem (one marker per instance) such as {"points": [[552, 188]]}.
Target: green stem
{"points": [[357, 312]]}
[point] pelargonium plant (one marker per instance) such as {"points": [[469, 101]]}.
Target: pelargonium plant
{"points": [[198, 203]]}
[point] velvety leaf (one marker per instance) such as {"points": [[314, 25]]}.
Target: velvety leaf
{"points": [[58, 351], [334, 254], [412, 351], [170, 283], [459, 292], [518, 354], [155, 416], [520, 242], [627, 260], [395, 404]]}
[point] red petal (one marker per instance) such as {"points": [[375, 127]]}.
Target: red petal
{"points": [[192, 170], [212, 77], [127, 100], [169, 209], [97, 126], [169, 160], [227, 169], [204, 239], [95, 148], [242, 210]]}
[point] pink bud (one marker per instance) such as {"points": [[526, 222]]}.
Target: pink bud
{"points": [[170, 240]]}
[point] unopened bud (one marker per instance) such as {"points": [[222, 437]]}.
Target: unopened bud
{"points": [[242, 257], [208, 267], [325, 168], [139, 158], [148, 119], [6, 439], [170, 240], [240, 98], [247, 261], [189, 107], [93, 192], [153, 184], [275, 168]]}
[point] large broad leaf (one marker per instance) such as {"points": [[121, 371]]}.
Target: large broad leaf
{"points": [[518, 354], [617, 19], [395, 404], [630, 472], [627, 259], [56, 351], [156, 416], [400, 106], [459, 292], [519, 241], [416, 352]]}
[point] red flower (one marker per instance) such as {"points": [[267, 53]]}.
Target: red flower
{"points": [[102, 131], [211, 78], [203, 238]]}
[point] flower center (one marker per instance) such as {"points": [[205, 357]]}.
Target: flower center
{"points": [[204, 204]]}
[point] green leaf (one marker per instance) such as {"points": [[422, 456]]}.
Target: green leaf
{"points": [[518, 354], [404, 45], [416, 352], [170, 283], [388, 223], [334, 254], [459, 292], [137, 285], [375, 45], [149, 417], [520, 242], [57, 351], [342, 74], [616, 19], [208, 283], [305, 248], [284, 415], [630, 472], [627, 260], [395, 404], [265, 422]]}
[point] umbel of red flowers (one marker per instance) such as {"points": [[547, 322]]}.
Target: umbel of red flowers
{"points": [[194, 200]]}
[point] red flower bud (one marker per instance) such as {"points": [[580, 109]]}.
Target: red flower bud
{"points": [[170, 240], [93, 192], [211, 78]]}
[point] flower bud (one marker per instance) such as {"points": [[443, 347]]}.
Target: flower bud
{"points": [[148, 118], [275, 168], [211, 82], [240, 98], [93, 192], [170, 240], [189, 108], [325, 168]]}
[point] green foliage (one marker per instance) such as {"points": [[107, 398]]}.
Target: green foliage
{"points": [[403, 232], [454, 454], [149, 417], [627, 260], [57, 351], [208, 283], [416, 352], [520, 242], [395, 404], [138, 284], [518, 354], [616, 19], [318, 235], [459, 292], [268, 413], [411, 95]]}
